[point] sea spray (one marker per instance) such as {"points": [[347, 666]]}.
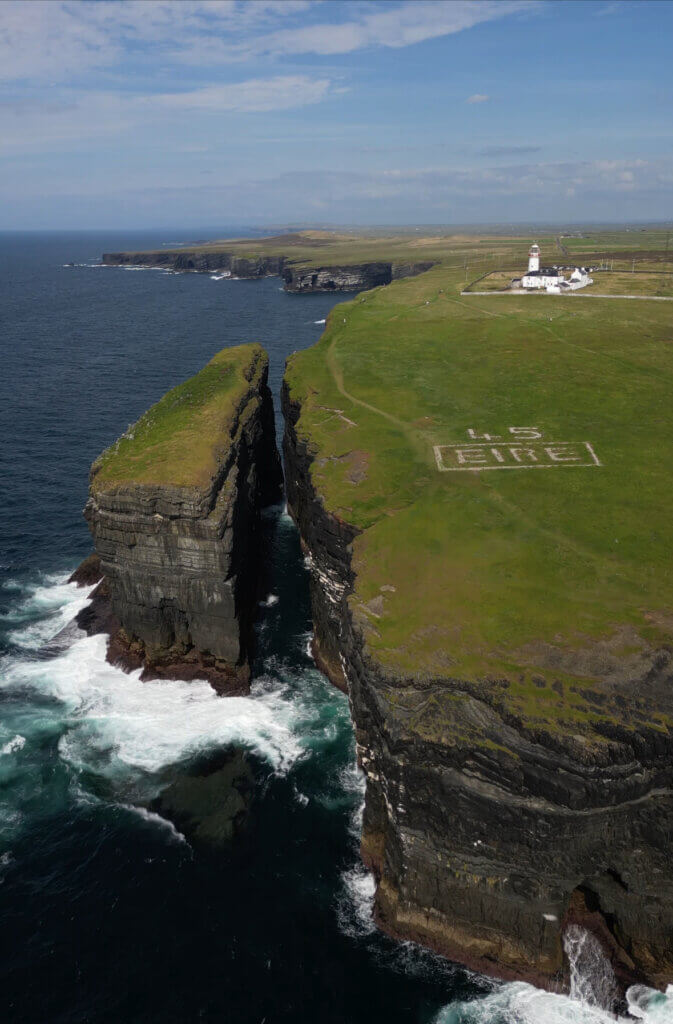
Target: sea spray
{"points": [[17, 742], [355, 903], [592, 979], [111, 725], [593, 991], [648, 1005], [519, 1003], [43, 609]]}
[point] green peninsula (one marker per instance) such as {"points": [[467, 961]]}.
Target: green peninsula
{"points": [[479, 569], [483, 484]]}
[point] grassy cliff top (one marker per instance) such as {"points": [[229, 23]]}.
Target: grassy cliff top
{"points": [[550, 570], [181, 440], [322, 248], [476, 252]]}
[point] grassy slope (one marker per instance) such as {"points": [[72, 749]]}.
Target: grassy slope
{"points": [[180, 440], [485, 566]]}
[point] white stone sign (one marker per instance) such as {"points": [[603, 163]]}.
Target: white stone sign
{"points": [[524, 448]]}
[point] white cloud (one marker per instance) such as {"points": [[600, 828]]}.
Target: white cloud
{"points": [[257, 94], [62, 39], [478, 97], [31, 125], [50, 40], [391, 26], [581, 191], [437, 184]]}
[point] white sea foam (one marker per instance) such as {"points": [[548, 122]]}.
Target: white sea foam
{"points": [[300, 797], [269, 601], [46, 609], [355, 903], [16, 743], [116, 723], [649, 1005], [354, 782], [147, 725], [320, 321], [130, 266], [519, 1003], [592, 979], [306, 642], [110, 723]]}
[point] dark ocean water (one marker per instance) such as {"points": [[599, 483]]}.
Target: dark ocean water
{"points": [[108, 913]]}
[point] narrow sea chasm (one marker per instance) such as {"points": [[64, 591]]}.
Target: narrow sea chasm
{"points": [[166, 854]]}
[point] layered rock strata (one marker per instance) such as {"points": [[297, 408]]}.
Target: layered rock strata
{"points": [[174, 510], [355, 277], [203, 261], [296, 277], [487, 834]]}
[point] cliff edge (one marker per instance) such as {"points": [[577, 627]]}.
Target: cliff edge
{"points": [[489, 581], [174, 510], [307, 261]]}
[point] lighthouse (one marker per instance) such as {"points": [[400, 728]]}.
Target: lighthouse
{"points": [[534, 258]]}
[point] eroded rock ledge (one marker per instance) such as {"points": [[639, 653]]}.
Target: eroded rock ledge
{"points": [[485, 835], [296, 277], [174, 510]]}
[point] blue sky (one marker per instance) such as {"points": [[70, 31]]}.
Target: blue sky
{"points": [[158, 113]]}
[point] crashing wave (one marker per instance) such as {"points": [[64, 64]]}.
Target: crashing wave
{"points": [[16, 743]]}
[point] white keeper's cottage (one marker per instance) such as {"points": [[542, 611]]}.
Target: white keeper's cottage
{"points": [[551, 278]]}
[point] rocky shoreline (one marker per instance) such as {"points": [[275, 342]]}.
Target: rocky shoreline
{"points": [[487, 837], [296, 277]]}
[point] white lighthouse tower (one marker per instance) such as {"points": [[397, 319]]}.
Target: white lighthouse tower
{"points": [[534, 258]]}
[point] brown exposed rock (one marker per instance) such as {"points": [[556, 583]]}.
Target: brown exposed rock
{"points": [[87, 572]]}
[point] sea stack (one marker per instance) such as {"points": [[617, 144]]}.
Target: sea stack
{"points": [[174, 509]]}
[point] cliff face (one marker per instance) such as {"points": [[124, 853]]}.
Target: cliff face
{"points": [[357, 277], [181, 559], [486, 834], [202, 261], [297, 278]]}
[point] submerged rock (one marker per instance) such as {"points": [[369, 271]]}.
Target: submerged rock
{"points": [[174, 509], [210, 804]]}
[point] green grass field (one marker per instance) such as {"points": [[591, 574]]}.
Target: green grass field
{"points": [[180, 440], [625, 283], [650, 282], [518, 575]]}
